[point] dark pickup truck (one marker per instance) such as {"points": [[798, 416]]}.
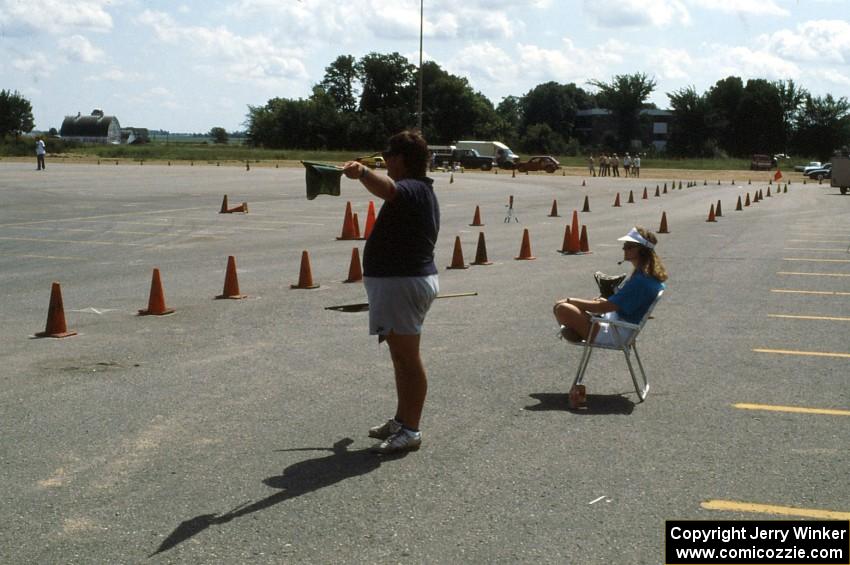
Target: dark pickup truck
{"points": [[467, 158]]}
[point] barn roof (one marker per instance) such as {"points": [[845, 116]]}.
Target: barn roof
{"points": [[87, 126]]}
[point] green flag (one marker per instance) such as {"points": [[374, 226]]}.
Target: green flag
{"points": [[322, 179]]}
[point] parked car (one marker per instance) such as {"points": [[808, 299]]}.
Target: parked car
{"points": [[539, 163], [373, 161], [824, 172], [466, 158], [762, 163], [809, 165]]}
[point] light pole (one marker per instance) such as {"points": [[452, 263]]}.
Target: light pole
{"points": [[419, 103]]}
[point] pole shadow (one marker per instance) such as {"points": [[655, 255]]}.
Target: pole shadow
{"points": [[299, 478], [597, 404]]}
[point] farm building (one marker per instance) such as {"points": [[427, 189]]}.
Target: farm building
{"points": [[598, 127], [95, 128]]}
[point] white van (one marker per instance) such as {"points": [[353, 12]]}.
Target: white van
{"points": [[504, 156]]}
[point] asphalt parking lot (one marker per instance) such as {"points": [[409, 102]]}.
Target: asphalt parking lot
{"points": [[235, 431]]}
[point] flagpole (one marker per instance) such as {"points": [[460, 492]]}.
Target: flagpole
{"points": [[421, 24]]}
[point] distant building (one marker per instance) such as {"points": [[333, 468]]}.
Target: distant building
{"points": [[135, 136], [597, 127], [95, 128]]}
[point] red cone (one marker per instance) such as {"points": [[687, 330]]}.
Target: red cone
{"points": [[56, 316]]}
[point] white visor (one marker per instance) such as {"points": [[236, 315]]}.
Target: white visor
{"points": [[635, 237]]}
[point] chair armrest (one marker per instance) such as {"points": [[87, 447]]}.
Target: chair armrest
{"points": [[622, 324]]}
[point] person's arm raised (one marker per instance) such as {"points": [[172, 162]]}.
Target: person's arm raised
{"points": [[381, 186]]}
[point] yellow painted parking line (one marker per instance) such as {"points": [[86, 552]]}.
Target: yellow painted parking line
{"points": [[838, 249], [825, 318], [42, 240], [793, 409], [814, 274], [732, 506], [818, 240], [804, 353], [28, 256], [825, 292], [816, 260]]}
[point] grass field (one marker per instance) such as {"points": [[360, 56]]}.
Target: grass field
{"points": [[202, 152]]}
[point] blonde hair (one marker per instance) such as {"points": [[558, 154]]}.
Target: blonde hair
{"points": [[650, 262]]}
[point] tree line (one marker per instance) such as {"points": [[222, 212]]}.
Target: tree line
{"points": [[359, 103]]}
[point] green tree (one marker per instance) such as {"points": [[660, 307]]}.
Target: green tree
{"points": [[791, 99], [625, 96], [219, 135], [339, 81], [388, 81], [823, 125], [15, 114], [690, 137], [541, 138], [759, 121], [553, 104], [724, 99]]}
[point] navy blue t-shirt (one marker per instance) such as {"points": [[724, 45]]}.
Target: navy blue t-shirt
{"points": [[405, 232], [636, 296]]}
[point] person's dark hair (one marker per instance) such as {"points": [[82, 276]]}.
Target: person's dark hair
{"points": [[414, 150]]}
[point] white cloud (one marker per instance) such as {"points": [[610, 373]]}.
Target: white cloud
{"points": [[483, 60], [78, 48], [723, 60], [54, 16], [624, 14], [119, 75], [755, 7], [36, 64], [231, 57], [813, 41]]}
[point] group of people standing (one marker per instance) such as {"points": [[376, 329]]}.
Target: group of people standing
{"points": [[610, 166]]}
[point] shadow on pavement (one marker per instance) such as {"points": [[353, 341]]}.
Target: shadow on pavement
{"points": [[597, 404], [297, 479]]}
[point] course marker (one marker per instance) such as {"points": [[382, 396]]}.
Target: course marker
{"points": [[793, 409], [732, 506]]}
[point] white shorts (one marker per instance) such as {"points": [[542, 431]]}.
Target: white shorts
{"points": [[607, 335], [399, 304]]}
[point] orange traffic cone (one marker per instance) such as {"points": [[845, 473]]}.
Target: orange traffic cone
{"points": [[665, 187], [578, 396], [243, 208], [747, 201], [617, 201], [513, 174], [645, 195], [370, 220], [231, 282], [663, 227], [156, 301], [55, 326], [481, 251], [658, 191], [575, 241], [584, 245], [457, 256], [586, 207], [305, 277], [739, 207], [355, 272], [565, 247], [224, 209], [711, 214], [717, 211], [476, 218], [768, 192], [347, 224], [631, 197], [525, 249], [554, 212], [356, 223]]}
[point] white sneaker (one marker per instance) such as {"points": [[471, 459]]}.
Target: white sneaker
{"points": [[385, 430], [400, 441]]}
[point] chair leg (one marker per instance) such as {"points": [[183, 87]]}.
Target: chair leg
{"points": [[640, 390], [582, 365]]}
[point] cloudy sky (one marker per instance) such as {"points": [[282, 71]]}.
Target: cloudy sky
{"points": [[186, 66]]}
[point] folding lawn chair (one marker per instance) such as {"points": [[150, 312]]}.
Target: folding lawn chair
{"points": [[627, 346]]}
